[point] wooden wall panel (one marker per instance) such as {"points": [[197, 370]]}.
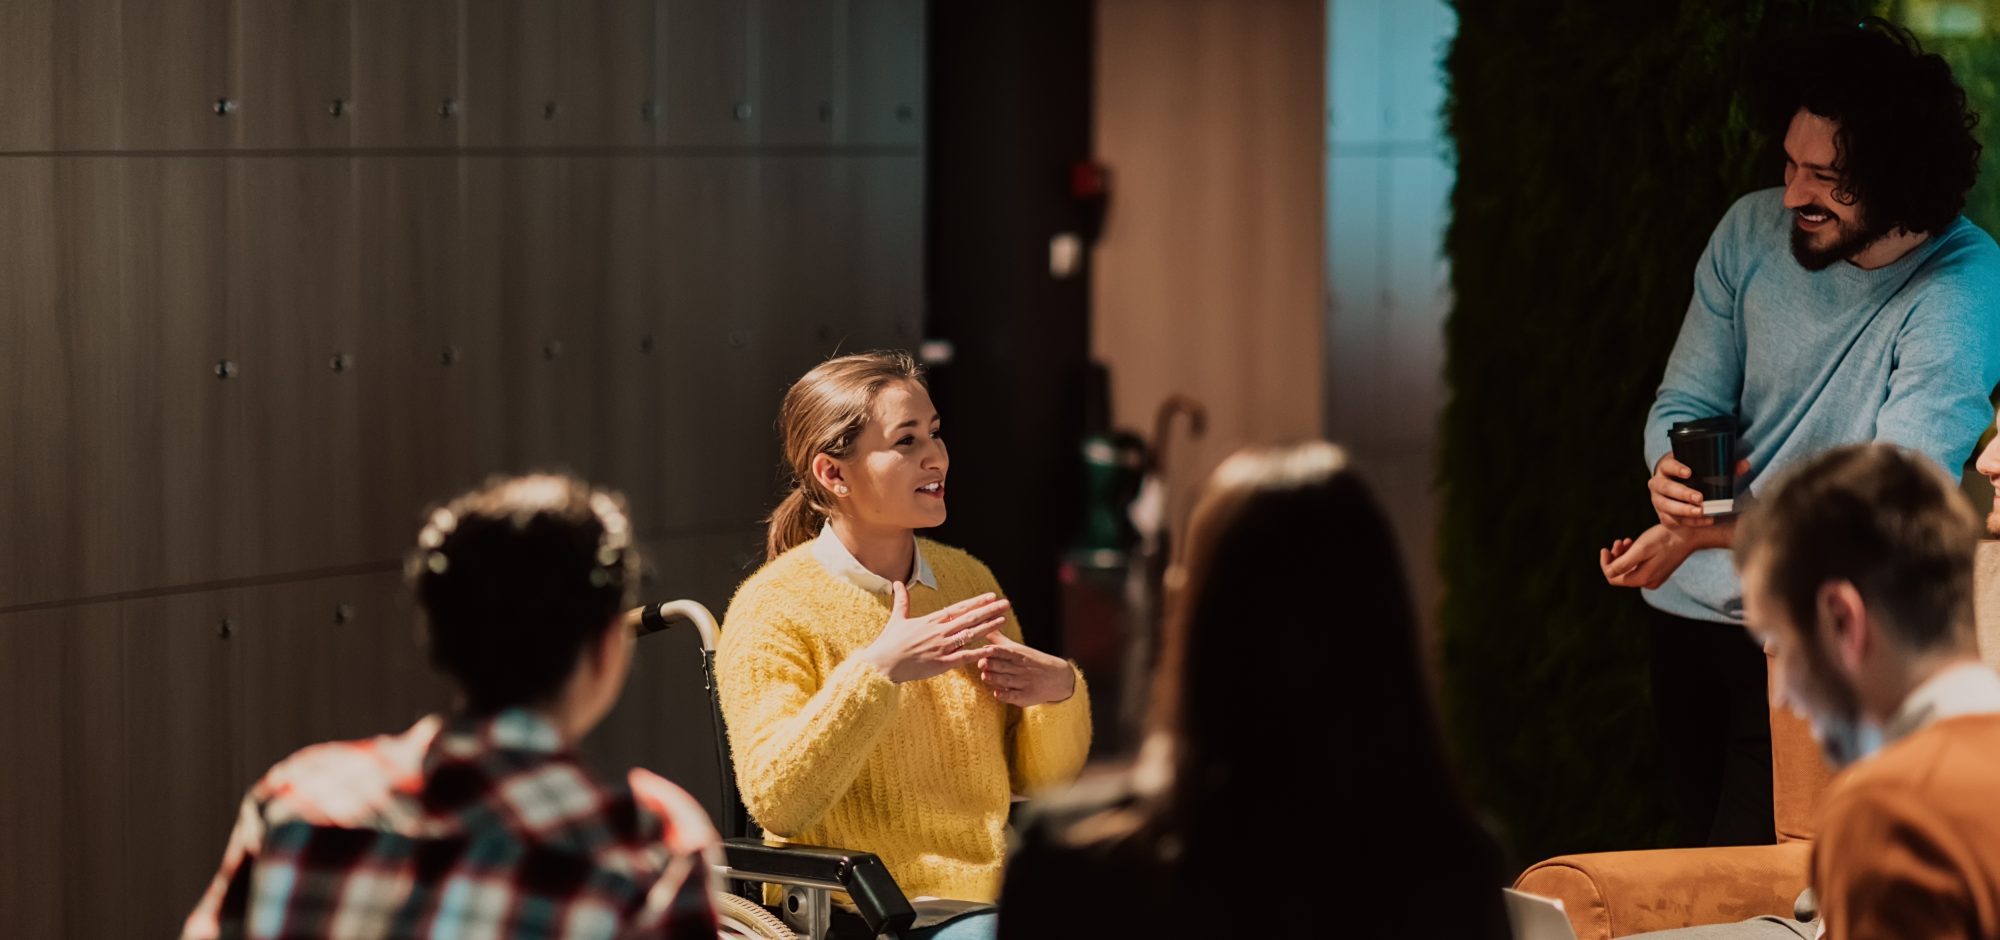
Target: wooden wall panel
{"points": [[387, 681], [800, 49], [480, 371], [885, 72], [53, 798], [604, 73], [71, 335], [571, 286], [288, 692], [31, 791], [691, 303], [539, 346], [292, 249], [611, 250], [704, 73], [89, 66], [797, 228], [844, 243], [177, 66], [39, 551], [502, 290], [884, 222], [406, 68], [188, 421], [182, 713], [100, 332], [27, 75], [489, 32], [788, 319], [60, 801], [418, 440], [661, 721], [96, 772], [510, 73], [295, 61], [330, 659], [721, 463]]}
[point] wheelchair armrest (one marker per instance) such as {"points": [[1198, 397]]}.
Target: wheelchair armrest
{"points": [[877, 898]]}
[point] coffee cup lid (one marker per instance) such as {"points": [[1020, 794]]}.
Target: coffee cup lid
{"points": [[1714, 425]]}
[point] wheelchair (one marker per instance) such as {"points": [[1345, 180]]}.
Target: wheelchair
{"points": [[808, 874]]}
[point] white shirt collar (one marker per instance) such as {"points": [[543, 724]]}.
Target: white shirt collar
{"points": [[841, 563], [1967, 689]]}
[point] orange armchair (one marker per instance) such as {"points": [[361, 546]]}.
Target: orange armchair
{"points": [[1614, 894]]}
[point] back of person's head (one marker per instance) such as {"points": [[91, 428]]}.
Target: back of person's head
{"points": [[1292, 689], [823, 412], [516, 579], [1883, 519], [1291, 627], [1905, 145]]}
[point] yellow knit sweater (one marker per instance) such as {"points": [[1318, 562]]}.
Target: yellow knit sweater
{"points": [[829, 752]]}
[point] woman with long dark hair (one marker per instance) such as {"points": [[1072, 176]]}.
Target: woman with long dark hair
{"points": [[1293, 768]]}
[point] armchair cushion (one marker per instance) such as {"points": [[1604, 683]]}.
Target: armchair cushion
{"points": [[1615, 894], [1799, 776]]}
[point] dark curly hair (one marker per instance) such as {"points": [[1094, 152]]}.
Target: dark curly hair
{"points": [[515, 579], [1904, 141]]}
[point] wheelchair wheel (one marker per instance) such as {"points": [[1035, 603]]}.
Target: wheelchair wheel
{"points": [[742, 917]]}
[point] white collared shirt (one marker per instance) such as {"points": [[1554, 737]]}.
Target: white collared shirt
{"points": [[1965, 689], [841, 563]]}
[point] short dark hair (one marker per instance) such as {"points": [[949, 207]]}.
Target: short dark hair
{"points": [[1905, 145], [1884, 519], [515, 578]]}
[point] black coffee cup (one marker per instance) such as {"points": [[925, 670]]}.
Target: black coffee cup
{"points": [[1708, 447]]}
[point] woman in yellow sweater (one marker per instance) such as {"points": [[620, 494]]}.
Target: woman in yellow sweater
{"points": [[874, 684]]}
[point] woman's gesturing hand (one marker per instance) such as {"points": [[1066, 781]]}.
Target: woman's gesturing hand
{"points": [[909, 649], [1022, 675]]}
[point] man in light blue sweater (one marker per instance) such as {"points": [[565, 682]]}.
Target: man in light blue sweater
{"points": [[1852, 304]]}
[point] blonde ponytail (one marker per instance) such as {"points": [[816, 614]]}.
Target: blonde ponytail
{"points": [[795, 522]]}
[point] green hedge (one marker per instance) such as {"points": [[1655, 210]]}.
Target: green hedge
{"points": [[1597, 145], [1975, 61]]}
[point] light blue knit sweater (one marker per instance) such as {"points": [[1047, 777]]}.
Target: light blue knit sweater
{"points": [[1907, 354]]}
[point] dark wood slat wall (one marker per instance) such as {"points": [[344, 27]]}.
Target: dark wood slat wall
{"points": [[279, 274]]}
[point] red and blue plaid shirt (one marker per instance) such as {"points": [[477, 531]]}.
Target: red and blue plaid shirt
{"points": [[467, 827]]}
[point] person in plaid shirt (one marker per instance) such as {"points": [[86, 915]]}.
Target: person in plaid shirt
{"points": [[484, 823]]}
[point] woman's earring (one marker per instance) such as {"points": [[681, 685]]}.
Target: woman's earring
{"points": [[840, 491]]}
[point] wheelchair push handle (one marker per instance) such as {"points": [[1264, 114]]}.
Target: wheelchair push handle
{"points": [[653, 618]]}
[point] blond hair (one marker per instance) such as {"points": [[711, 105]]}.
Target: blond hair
{"points": [[822, 414]]}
